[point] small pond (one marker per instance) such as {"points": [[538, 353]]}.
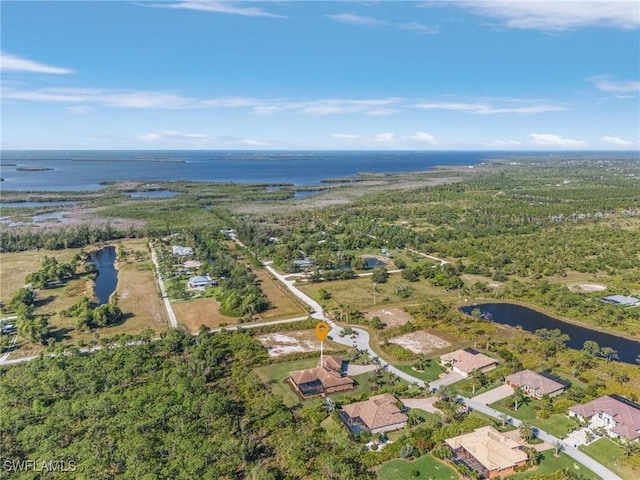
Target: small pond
{"points": [[373, 262], [107, 279], [531, 320]]}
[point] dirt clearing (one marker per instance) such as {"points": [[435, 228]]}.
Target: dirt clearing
{"points": [[586, 287], [420, 342], [295, 341], [393, 317]]}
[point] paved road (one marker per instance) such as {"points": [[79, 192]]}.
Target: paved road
{"points": [[173, 321], [574, 453]]}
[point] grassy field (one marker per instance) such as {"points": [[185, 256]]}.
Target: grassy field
{"points": [[15, 266], [284, 305], [200, 311], [611, 456], [558, 425], [428, 466], [358, 292], [550, 464], [136, 295]]}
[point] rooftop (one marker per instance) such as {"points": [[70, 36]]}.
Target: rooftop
{"points": [[621, 300], [491, 448], [468, 360], [376, 412], [543, 385], [625, 413]]}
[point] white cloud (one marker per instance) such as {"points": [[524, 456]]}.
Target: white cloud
{"points": [[607, 84], [504, 143], [488, 109], [110, 98], [13, 63], [384, 138], [616, 141], [553, 15], [353, 19], [424, 137], [550, 140], [344, 136], [172, 135], [233, 8], [149, 99], [79, 109], [338, 106]]}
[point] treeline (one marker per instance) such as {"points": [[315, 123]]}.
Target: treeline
{"points": [[184, 407], [75, 236]]}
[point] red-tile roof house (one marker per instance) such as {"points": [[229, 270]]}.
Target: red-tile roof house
{"points": [[378, 414], [321, 380], [535, 385], [621, 418]]}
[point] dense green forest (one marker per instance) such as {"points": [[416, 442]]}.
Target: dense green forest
{"points": [[183, 407]]}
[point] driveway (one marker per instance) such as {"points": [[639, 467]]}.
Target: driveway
{"points": [[577, 437], [447, 379], [498, 393], [425, 404]]}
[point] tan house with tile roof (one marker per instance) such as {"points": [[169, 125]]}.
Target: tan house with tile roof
{"points": [[535, 385], [377, 414], [466, 361], [321, 380], [619, 417], [488, 452]]}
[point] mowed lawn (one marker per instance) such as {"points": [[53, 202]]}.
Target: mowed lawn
{"points": [[550, 464], [430, 373], [429, 468], [611, 456], [558, 425]]}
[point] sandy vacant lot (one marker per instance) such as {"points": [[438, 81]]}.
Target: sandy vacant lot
{"points": [[586, 287], [393, 317], [420, 342], [295, 341]]}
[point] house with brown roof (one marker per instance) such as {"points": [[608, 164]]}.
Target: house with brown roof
{"points": [[466, 361], [487, 451], [534, 384], [321, 380], [618, 416], [377, 414]]}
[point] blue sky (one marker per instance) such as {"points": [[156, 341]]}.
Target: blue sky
{"points": [[505, 74]]}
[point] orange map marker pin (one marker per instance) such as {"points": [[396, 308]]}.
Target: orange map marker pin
{"points": [[322, 330]]}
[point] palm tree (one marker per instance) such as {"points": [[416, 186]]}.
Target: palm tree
{"points": [[526, 432], [533, 456], [518, 396], [557, 448], [630, 449]]}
